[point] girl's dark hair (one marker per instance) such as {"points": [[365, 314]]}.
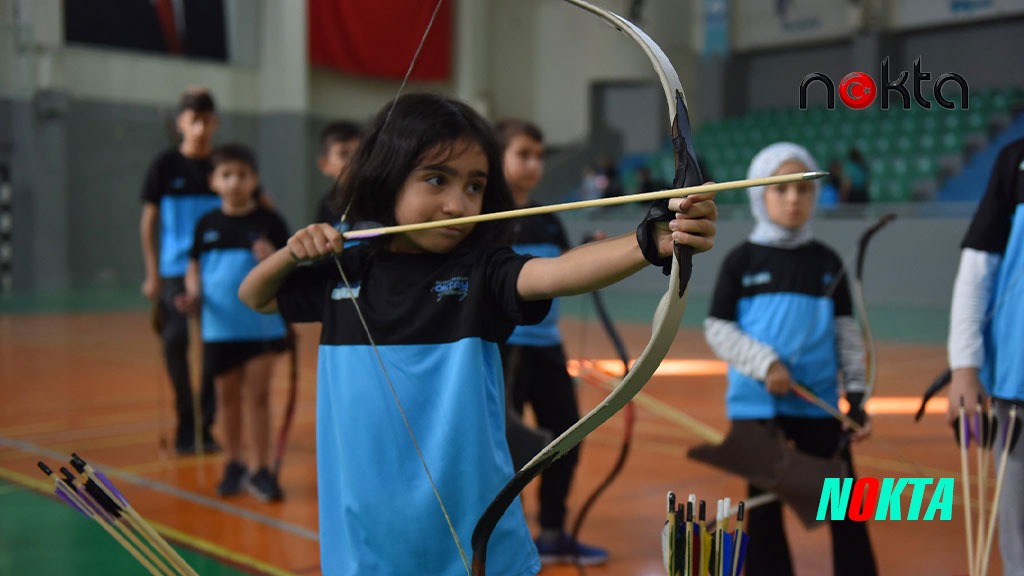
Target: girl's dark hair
{"points": [[420, 124], [509, 128]]}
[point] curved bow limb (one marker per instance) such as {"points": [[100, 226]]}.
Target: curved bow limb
{"points": [[666, 322], [862, 309], [667, 316], [629, 414]]}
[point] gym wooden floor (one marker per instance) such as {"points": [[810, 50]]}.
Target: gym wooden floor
{"points": [[94, 384]]}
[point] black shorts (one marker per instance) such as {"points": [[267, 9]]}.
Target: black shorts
{"points": [[221, 357]]}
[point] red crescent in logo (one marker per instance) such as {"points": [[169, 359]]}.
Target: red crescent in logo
{"points": [[857, 90]]}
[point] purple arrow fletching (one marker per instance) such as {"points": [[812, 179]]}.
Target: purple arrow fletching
{"points": [[109, 485], [67, 500]]}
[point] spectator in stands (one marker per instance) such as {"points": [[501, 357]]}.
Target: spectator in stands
{"points": [[608, 178], [589, 189], [645, 182], [856, 176]]}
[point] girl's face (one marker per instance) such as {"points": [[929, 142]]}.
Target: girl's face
{"points": [[524, 165], [448, 182], [790, 205]]}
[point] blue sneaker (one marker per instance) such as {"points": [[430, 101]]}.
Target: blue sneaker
{"points": [[564, 550]]}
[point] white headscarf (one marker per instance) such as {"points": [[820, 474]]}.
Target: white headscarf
{"points": [[765, 163]]}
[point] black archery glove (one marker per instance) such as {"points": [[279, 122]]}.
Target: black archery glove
{"points": [[647, 235], [856, 412]]}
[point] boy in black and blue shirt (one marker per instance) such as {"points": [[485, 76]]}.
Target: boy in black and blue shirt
{"points": [[533, 357], [985, 330], [175, 195], [239, 344]]}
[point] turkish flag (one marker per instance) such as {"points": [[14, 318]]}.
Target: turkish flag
{"points": [[378, 38]]}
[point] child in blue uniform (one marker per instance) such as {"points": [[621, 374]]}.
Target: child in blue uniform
{"points": [[239, 344], [175, 195], [781, 312], [986, 330], [533, 357], [436, 303]]}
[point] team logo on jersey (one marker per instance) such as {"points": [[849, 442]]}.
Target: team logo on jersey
{"points": [[178, 183], [342, 292], [827, 278], [756, 279], [455, 286], [210, 236]]}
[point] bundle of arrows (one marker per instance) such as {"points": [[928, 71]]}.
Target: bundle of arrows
{"points": [[694, 546], [980, 430], [94, 495]]}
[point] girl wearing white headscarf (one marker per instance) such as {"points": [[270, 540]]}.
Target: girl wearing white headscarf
{"points": [[782, 313]]}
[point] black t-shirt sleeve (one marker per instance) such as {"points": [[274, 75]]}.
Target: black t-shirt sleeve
{"points": [[197, 238], [303, 296], [152, 188], [990, 228], [728, 287], [278, 231], [503, 266]]}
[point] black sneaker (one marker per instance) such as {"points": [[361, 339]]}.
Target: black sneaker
{"points": [[264, 486], [563, 550], [185, 441], [185, 448], [234, 477]]}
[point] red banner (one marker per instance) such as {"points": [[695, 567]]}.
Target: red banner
{"points": [[378, 38]]}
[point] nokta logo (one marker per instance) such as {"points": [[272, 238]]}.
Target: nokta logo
{"points": [[858, 90], [883, 500]]}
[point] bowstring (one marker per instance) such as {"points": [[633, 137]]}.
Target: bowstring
{"points": [[366, 327]]}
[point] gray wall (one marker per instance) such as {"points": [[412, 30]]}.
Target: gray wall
{"points": [[77, 169], [987, 54], [773, 78], [911, 262]]}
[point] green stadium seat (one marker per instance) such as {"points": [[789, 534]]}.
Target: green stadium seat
{"points": [[952, 122], [924, 166], [977, 121], [930, 122], [951, 143], [928, 143], [905, 144], [883, 145]]}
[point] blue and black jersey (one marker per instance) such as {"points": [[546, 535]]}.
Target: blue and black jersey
{"points": [[223, 247], [788, 299], [178, 185], [998, 228], [544, 237], [437, 320]]}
